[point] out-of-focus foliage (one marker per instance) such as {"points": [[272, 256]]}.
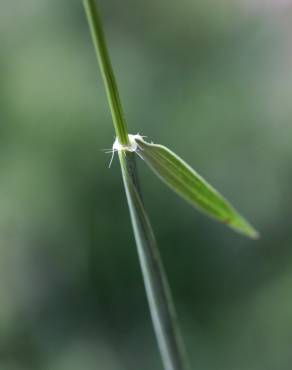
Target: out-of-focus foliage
{"points": [[194, 75]]}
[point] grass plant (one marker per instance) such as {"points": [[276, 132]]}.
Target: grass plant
{"points": [[180, 177]]}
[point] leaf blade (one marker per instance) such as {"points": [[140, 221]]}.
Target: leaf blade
{"points": [[187, 183]]}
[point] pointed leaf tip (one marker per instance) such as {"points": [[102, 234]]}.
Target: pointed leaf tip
{"points": [[244, 227], [187, 183]]}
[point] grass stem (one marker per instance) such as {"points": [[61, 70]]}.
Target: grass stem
{"points": [[156, 285], [157, 289], [109, 80]]}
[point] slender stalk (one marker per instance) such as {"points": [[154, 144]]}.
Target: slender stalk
{"points": [[106, 71], [158, 293]]}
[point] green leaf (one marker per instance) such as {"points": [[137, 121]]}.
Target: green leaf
{"points": [[186, 182]]}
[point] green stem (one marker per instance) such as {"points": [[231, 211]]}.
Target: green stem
{"points": [[158, 293], [157, 289], [106, 71]]}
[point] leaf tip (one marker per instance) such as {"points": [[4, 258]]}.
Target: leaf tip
{"points": [[242, 226]]}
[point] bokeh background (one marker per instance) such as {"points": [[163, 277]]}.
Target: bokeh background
{"points": [[213, 81]]}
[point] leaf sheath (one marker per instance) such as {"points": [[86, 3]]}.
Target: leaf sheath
{"points": [[157, 289]]}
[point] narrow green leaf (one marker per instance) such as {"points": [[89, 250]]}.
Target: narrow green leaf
{"points": [[184, 180]]}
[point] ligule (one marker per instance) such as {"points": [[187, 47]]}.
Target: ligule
{"points": [[187, 183]]}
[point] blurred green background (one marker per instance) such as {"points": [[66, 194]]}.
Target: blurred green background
{"points": [[211, 80]]}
